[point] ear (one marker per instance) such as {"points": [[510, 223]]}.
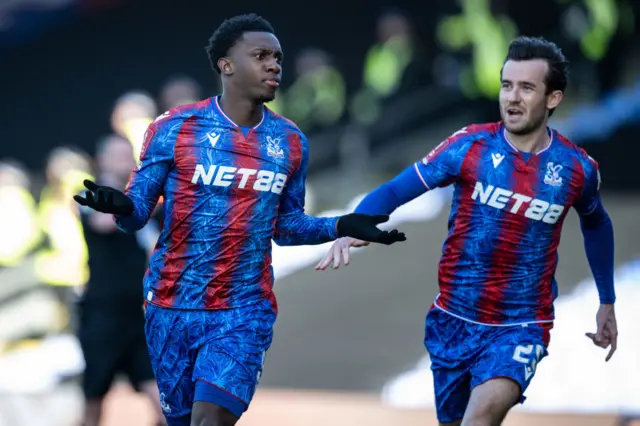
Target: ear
{"points": [[554, 98], [225, 65]]}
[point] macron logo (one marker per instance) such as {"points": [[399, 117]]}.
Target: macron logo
{"points": [[497, 159], [213, 138]]}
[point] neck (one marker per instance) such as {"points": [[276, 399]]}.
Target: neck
{"points": [[242, 111], [531, 142]]}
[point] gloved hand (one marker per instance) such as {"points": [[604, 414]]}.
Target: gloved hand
{"points": [[105, 199], [363, 227]]}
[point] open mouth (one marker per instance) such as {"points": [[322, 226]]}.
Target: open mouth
{"points": [[514, 112]]}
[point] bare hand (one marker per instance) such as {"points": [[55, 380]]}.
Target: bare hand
{"points": [[607, 330], [339, 253]]}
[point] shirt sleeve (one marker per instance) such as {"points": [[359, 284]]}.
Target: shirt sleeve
{"points": [[597, 230], [441, 167], [590, 197], [293, 226], [148, 179]]}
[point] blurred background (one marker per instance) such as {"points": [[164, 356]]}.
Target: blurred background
{"points": [[375, 87]]}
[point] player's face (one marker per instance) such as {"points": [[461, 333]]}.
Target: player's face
{"points": [[524, 102], [256, 65]]}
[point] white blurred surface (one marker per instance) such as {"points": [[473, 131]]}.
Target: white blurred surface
{"points": [[574, 377]]}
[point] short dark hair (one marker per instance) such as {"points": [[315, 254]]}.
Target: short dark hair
{"points": [[230, 32], [526, 48]]}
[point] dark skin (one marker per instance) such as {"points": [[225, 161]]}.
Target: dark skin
{"points": [[250, 77], [251, 74]]}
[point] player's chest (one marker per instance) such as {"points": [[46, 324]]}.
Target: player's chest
{"points": [[540, 188], [228, 162]]}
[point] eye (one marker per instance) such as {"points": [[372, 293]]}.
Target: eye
{"points": [[505, 85], [260, 56]]}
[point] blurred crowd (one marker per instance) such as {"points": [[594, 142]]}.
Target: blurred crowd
{"points": [[39, 220]]}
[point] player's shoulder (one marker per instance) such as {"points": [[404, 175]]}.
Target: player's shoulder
{"points": [[573, 150], [465, 137], [474, 133], [283, 123], [181, 113]]}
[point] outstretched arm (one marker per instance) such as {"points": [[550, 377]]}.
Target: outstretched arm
{"points": [[147, 181], [293, 226], [386, 198], [132, 208], [439, 168]]}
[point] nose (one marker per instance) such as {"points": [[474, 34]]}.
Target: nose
{"points": [[514, 96], [274, 67]]}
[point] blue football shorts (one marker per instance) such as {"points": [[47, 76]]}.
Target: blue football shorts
{"points": [[205, 355], [466, 354]]}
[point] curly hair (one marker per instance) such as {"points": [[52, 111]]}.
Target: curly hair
{"points": [[230, 32]]}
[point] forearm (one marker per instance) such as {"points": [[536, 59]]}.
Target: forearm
{"points": [[388, 197], [144, 191], [298, 229], [597, 230], [133, 223]]}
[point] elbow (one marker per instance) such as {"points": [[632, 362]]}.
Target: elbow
{"points": [[283, 240], [597, 220]]}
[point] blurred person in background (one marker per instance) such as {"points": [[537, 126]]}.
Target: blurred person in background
{"points": [[180, 90], [317, 97], [19, 228], [111, 320], [61, 263], [385, 66], [514, 183], [233, 174], [483, 30], [603, 32], [132, 114]]}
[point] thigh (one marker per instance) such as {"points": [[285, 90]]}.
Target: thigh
{"points": [[512, 353], [167, 336], [451, 345], [231, 355], [491, 401]]}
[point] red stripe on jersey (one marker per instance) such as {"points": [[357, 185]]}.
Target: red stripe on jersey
{"points": [[295, 150], [455, 243], [238, 217], [266, 282], [546, 332], [465, 133], [513, 228], [179, 218]]}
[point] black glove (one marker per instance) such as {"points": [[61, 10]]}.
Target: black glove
{"points": [[105, 199], [363, 227]]}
